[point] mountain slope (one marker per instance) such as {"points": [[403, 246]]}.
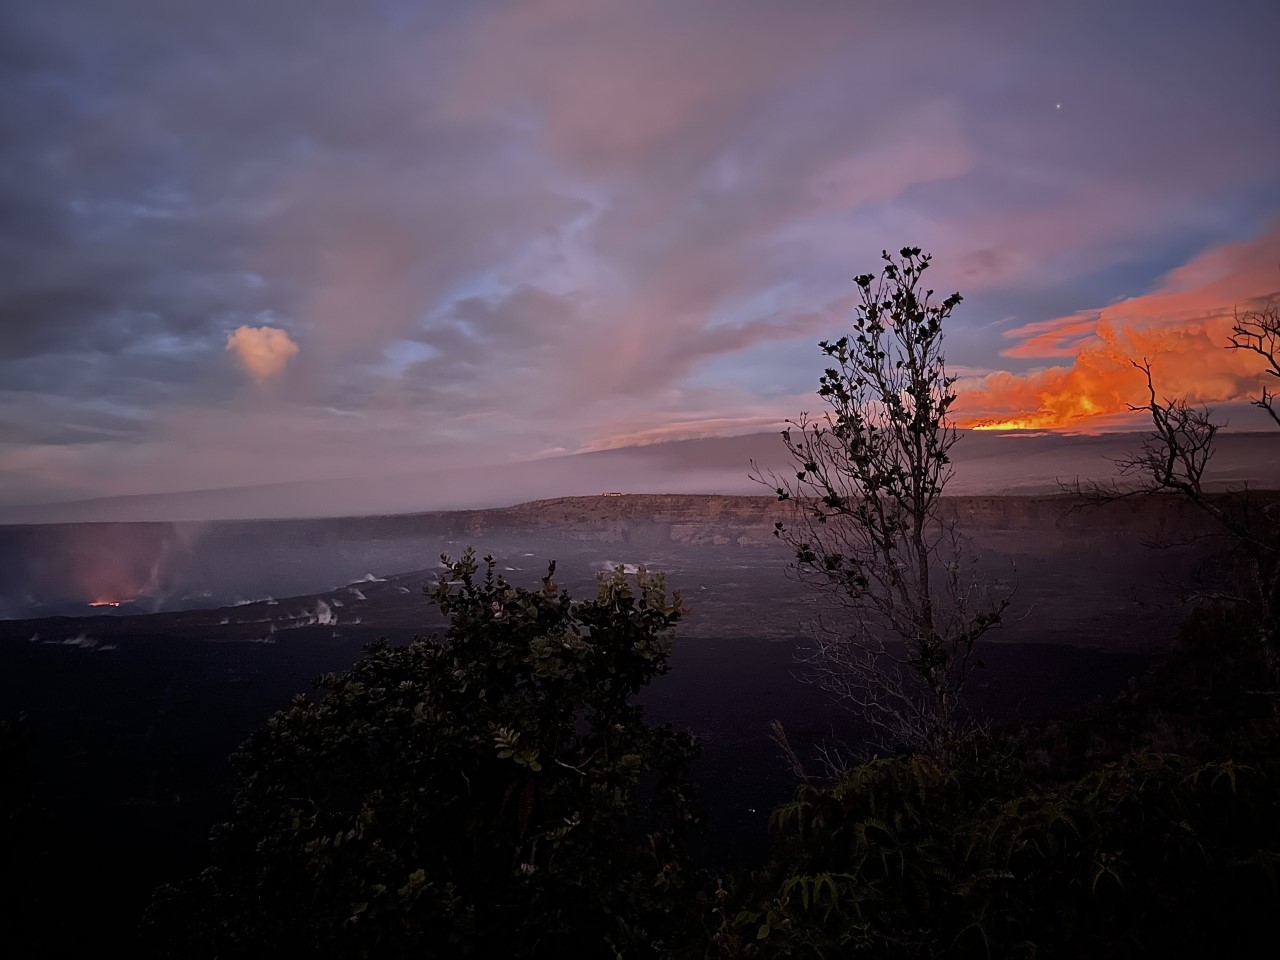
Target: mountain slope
{"points": [[986, 463]]}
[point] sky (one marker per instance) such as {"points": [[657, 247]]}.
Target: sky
{"points": [[246, 242]]}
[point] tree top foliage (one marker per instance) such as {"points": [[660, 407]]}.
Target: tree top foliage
{"points": [[492, 787]]}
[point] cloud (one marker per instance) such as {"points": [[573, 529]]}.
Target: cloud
{"points": [[262, 351], [570, 222], [1181, 328]]}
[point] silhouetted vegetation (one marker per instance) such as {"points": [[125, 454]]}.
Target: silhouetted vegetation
{"points": [[1173, 460], [1142, 827], [23, 877], [493, 791], [866, 523]]}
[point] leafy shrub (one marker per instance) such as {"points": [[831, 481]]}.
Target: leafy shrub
{"points": [[491, 791], [1153, 855]]}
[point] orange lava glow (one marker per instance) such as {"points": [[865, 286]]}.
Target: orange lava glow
{"points": [[1182, 328], [1187, 360], [1027, 423], [105, 603]]}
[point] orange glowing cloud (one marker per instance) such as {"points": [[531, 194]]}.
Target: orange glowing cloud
{"points": [[262, 351], [1182, 328]]}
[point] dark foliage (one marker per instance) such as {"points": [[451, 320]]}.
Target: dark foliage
{"points": [[866, 524], [1257, 331], [1173, 459], [1146, 826], [494, 791], [17, 778], [23, 828]]}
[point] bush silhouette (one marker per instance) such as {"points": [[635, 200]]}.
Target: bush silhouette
{"points": [[491, 791]]}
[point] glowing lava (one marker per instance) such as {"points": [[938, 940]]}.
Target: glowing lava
{"points": [[1183, 329], [104, 603], [1024, 424]]}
